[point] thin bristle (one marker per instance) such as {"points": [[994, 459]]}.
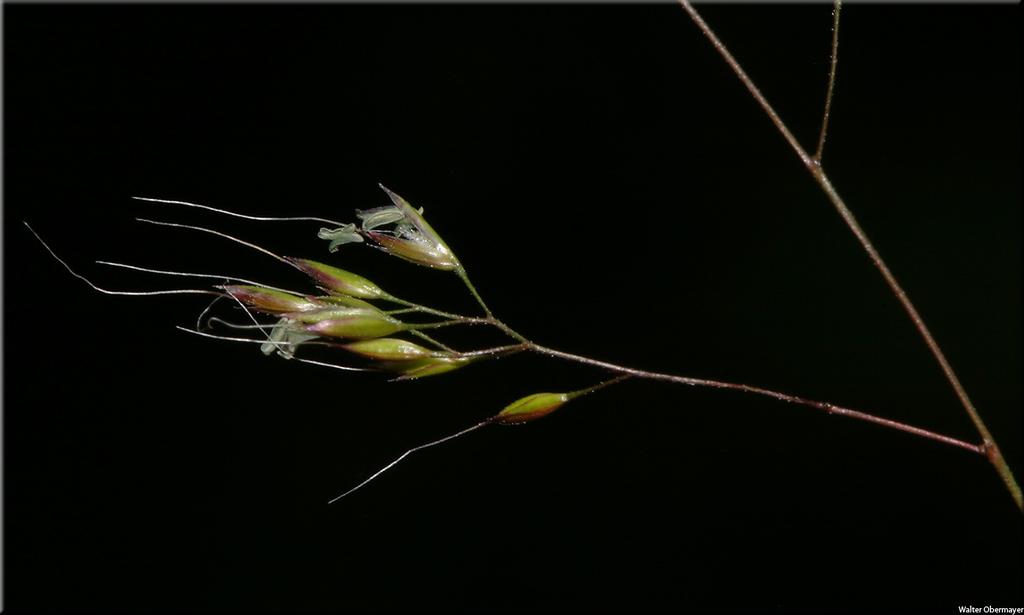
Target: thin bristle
{"points": [[219, 234], [125, 293], [238, 215], [226, 278]]}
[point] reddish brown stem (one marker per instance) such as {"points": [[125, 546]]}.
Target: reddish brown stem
{"points": [[833, 62], [813, 166], [746, 388]]}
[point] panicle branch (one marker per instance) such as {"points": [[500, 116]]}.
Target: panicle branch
{"points": [[344, 313]]}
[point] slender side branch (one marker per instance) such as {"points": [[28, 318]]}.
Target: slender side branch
{"points": [[599, 386], [745, 388], [831, 81], [461, 271], [497, 351], [991, 449], [416, 307], [423, 336], [509, 331], [717, 384], [447, 323]]}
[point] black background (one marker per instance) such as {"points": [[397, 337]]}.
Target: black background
{"points": [[614, 192]]}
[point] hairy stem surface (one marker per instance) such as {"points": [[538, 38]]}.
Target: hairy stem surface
{"points": [[834, 60]]}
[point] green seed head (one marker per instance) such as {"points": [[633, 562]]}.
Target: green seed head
{"points": [[271, 301], [531, 407], [412, 239], [346, 301], [338, 280], [428, 366], [349, 323], [412, 249], [389, 349]]}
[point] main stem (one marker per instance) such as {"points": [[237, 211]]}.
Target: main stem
{"points": [[745, 388], [989, 446]]}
